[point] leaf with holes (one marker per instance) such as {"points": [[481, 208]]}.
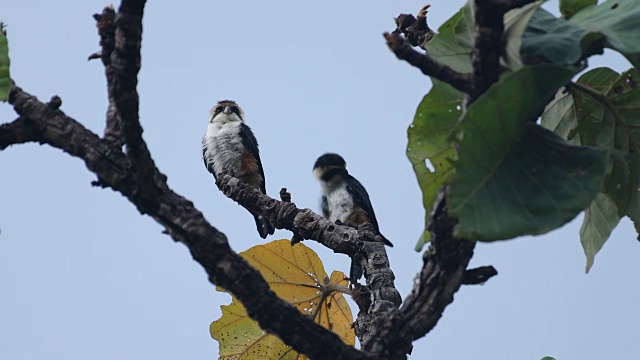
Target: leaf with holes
{"points": [[513, 177], [5, 78], [430, 140], [613, 24], [295, 274]]}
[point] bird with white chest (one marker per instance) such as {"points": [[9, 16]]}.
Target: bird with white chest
{"points": [[344, 200], [230, 145]]}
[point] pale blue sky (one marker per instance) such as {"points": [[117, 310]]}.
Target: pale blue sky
{"points": [[83, 275]]}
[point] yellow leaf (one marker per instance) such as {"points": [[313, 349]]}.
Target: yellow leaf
{"points": [[295, 274]]}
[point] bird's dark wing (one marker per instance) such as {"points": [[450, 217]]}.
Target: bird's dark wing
{"points": [[361, 199], [204, 158], [250, 144], [325, 207]]}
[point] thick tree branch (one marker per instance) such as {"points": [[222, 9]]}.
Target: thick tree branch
{"points": [[46, 124], [126, 60], [427, 64], [360, 244], [443, 269]]}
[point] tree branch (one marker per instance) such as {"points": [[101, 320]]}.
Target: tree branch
{"points": [[363, 244], [106, 24], [46, 124], [126, 60], [427, 64]]}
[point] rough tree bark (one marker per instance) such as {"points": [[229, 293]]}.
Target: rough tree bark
{"points": [[386, 332]]}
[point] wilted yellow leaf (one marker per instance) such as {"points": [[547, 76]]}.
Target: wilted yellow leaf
{"points": [[295, 274]]}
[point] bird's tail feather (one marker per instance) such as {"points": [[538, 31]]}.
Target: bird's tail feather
{"points": [[264, 226], [385, 240]]}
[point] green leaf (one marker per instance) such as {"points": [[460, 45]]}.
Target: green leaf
{"points": [[560, 116], [568, 8], [454, 40], [512, 176], [606, 114], [614, 24], [516, 22], [600, 218], [618, 21], [429, 138], [548, 358], [5, 79]]}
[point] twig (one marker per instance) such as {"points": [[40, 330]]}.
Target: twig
{"points": [[285, 196], [427, 64], [478, 275], [415, 29]]}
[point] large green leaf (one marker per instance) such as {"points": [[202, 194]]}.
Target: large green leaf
{"points": [[614, 24], [512, 176], [606, 115], [429, 138], [600, 218], [5, 79]]}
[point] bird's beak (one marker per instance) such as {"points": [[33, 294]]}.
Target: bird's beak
{"points": [[227, 110]]}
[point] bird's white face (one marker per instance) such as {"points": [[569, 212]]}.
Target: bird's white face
{"points": [[226, 112]]}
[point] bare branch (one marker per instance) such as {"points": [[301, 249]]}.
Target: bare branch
{"points": [[46, 124], [106, 24], [126, 60], [427, 64], [16, 132]]}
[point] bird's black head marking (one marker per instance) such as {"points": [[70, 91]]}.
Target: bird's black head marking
{"points": [[328, 166], [330, 160]]}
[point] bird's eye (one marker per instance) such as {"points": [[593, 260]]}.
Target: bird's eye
{"points": [[218, 110], [235, 110]]}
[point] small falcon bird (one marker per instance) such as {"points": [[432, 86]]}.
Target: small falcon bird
{"points": [[344, 200], [230, 145]]}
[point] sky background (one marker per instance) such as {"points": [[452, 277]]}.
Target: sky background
{"points": [[84, 275]]}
